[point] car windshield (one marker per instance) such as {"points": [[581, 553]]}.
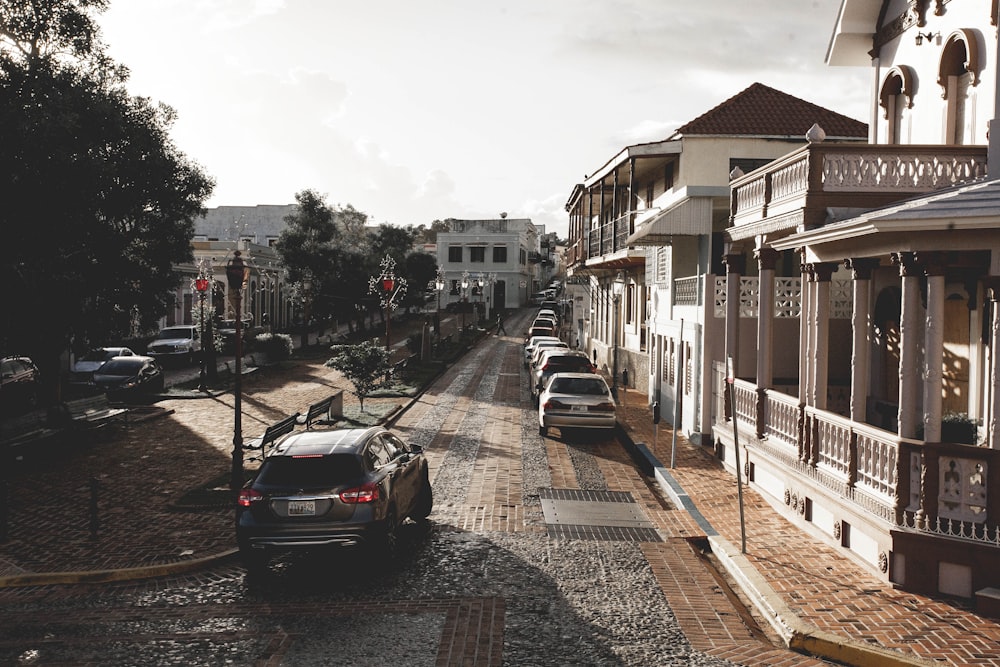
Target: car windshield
{"points": [[121, 367], [176, 332], [310, 472], [579, 386]]}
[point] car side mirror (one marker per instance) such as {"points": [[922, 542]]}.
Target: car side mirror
{"points": [[416, 449]]}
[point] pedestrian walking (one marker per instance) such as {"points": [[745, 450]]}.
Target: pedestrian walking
{"points": [[500, 328]]}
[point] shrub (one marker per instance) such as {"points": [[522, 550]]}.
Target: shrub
{"points": [[277, 347]]}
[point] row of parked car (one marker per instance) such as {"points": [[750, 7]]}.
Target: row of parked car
{"points": [[565, 385]]}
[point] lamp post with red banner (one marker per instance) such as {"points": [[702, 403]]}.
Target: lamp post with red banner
{"points": [[201, 285], [389, 288]]}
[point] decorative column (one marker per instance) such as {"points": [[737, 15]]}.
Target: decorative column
{"points": [[735, 268], [806, 330], [934, 267], [766, 259], [822, 272], [909, 344], [992, 285], [861, 327]]}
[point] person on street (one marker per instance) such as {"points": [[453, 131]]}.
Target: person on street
{"points": [[500, 329]]}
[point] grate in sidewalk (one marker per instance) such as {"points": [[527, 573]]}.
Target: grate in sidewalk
{"points": [[595, 515]]}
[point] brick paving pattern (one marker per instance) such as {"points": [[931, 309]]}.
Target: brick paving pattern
{"points": [[161, 458]]}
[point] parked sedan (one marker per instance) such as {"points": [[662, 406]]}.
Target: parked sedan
{"points": [[130, 379], [83, 369], [347, 487], [576, 400], [20, 384], [555, 361], [531, 343]]}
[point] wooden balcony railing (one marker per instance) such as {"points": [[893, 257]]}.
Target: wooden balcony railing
{"points": [[819, 176]]}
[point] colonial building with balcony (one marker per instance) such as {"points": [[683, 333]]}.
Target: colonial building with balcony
{"points": [[860, 367], [652, 220]]}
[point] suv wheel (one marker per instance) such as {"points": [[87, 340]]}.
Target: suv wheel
{"points": [[388, 543], [254, 560], [425, 501]]}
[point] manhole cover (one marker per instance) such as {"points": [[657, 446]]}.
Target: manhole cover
{"points": [[595, 515]]}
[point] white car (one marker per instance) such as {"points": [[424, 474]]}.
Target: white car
{"points": [[576, 401], [529, 346], [180, 342], [543, 346]]}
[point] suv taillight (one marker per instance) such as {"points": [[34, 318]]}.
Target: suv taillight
{"points": [[248, 497], [367, 493]]}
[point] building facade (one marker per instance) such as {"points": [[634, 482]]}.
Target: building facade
{"points": [[861, 309], [503, 252]]}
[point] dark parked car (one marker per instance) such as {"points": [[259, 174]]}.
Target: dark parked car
{"points": [[83, 369], [128, 379], [20, 384], [345, 487]]}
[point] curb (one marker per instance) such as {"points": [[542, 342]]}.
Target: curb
{"points": [[105, 576], [796, 634]]}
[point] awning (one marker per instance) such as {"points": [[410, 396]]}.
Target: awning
{"points": [[691, 216]]}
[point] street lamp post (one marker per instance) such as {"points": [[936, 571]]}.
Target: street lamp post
{"points": [[463, 299], [306, 302], [616, 294], [237, 273], [439, 283], [201, 284], [389, 289], [480, 281]]}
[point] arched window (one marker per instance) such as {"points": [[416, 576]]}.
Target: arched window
{"points": [[958, 73], [895, 97]]}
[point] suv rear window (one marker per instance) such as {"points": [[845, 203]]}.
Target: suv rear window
{"points": [[568, 365], [310, 472]]}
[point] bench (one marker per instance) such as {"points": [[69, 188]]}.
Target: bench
{"points": [[272, 433], [94, 411], [33, 428], [324, 412]]}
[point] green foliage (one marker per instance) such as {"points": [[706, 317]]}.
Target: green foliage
{"points": [[277, 347], [365, 365], [97, 200]]}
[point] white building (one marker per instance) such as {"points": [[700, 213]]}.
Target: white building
{"points": [[504, 251]]}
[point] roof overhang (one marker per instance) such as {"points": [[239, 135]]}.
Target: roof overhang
{"points": [[689, 216], [960, 216]]}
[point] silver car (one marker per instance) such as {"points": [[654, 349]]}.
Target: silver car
{"points": [[576, 400]]}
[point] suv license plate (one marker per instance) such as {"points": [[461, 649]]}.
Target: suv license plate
{"points": [[301, 507]]}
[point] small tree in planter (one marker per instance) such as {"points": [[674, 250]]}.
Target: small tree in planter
{"points": [[365, 365], [959, 427]]}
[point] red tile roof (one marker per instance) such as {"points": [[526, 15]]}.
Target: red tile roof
{"points": [[763, 111]]}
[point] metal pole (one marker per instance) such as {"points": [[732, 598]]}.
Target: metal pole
{"points": [[204, 347], [678, 392], [236, 478], [736, 445], [614, 338]]}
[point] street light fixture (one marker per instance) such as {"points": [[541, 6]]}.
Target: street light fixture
{"points": [[480, 281], [439, 284], [237, 273], [389, 288], [464, 297], [201, 284], [617, 287]]}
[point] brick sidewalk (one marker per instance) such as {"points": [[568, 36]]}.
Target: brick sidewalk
{"points": [[822, 587]]}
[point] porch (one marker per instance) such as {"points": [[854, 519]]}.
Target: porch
{"points": [[919, 513]]}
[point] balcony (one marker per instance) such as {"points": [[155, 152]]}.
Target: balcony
{"points": [[799, 188]]}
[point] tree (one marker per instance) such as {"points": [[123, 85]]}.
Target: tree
{"points": [[365, 365], [310, 248], [420, 269], [98, 203]]}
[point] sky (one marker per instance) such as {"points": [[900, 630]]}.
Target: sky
{"points": [[419, 110]]}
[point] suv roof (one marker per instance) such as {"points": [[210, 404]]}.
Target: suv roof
{"points": [[324, 443]]}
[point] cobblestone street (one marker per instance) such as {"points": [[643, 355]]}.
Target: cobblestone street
{"points": [[496, 579]]}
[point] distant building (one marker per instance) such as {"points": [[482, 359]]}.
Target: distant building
{"points": [[504, 251], [261, 224]]}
